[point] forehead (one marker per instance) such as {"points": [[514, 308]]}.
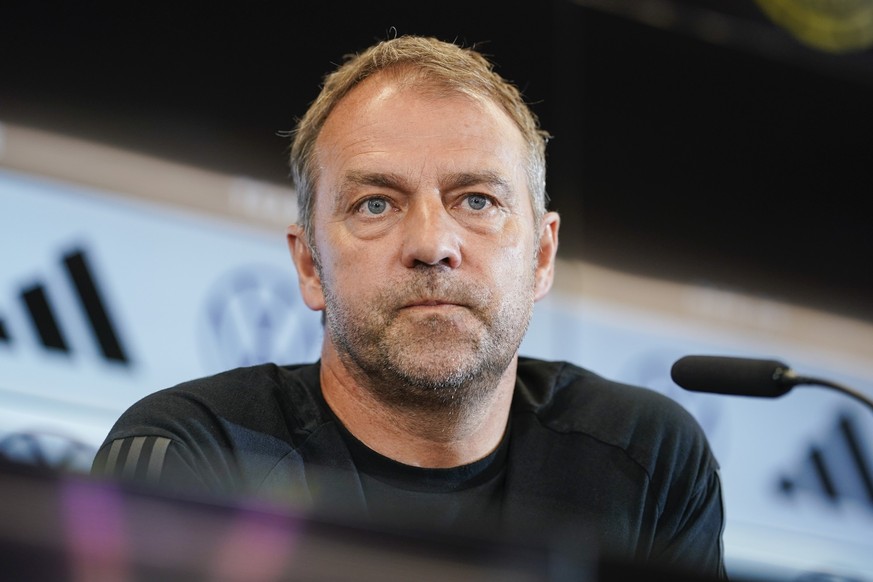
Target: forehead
{"points": [[386, 121]]}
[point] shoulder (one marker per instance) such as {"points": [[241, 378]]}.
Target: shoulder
{"points": [[647, 425], [262, 395], [555, 386], [226, 434], [639, 447]]}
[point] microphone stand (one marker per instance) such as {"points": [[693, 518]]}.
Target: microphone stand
{"points": [[795, 380]]}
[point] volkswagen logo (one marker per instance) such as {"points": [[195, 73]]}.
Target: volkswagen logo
{"points": [[255, 315]]}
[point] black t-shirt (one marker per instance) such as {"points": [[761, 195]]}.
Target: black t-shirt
{"points": [[465, 497], [619, 468]]}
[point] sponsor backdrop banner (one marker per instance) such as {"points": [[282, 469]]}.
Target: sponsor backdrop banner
{"points": [[104, 299]]}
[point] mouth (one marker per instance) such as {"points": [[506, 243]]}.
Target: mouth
{"points": [[431, 303]]}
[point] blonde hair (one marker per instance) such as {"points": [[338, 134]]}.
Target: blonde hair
{"points": [[438, 65]]}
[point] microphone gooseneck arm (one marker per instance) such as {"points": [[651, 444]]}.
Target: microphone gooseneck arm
{"points": [[863, 398]]}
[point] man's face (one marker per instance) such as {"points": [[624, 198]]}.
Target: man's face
{"points": [[427, 241]]}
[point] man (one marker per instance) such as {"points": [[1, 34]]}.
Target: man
{"points": [[424, 239]]}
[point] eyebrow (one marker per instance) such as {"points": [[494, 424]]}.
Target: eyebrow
{"points": [[377, 179], [469, 179]]}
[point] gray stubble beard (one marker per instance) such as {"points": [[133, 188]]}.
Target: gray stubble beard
{"points": [[391, 366]]}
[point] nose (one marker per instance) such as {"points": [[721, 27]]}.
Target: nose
{"points": [[430, 236]]}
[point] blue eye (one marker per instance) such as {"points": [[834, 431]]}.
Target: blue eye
{"points": [[477, 201], [376, 205]]}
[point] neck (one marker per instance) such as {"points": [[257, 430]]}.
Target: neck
{"points": [[449, 437]]}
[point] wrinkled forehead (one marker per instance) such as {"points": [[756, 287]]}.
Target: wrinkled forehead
{"points": [[423, 83], [383, 119], [361, 108]]}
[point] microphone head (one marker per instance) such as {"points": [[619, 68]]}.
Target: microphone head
{"points": [[729, 375]]}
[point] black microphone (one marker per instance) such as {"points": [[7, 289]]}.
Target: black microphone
{"points": [[745, 377], [737, 376]]}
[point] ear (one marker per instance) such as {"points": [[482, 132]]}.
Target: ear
{"points": [[307, 275], [548, 248]]}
